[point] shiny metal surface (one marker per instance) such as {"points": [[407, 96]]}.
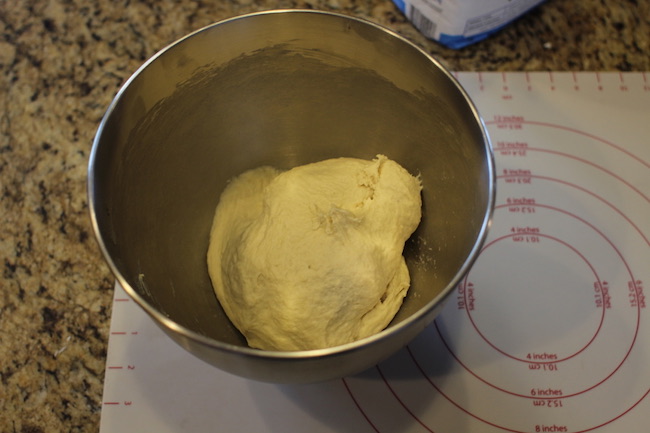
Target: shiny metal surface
{"points": [[282, 88]]}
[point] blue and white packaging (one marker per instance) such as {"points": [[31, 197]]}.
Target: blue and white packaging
{"points": [[458, 23]]}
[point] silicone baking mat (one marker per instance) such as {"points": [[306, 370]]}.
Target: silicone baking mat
{"points": [[548, 332]]}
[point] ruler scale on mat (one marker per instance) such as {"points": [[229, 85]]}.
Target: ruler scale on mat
{"points": [[549, 331]]}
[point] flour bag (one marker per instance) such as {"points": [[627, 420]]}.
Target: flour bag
{"points": [[458, 23]]}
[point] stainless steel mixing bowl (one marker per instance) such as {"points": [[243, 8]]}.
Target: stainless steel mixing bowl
{"points": [[281, 88]]}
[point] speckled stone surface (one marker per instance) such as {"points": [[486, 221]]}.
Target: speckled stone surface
{"points": [[62, 62]]}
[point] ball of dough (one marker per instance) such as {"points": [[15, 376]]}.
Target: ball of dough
{"points": [[311, 257]]}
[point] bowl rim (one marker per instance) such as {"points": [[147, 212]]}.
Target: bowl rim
{"points": [[247, 351]]}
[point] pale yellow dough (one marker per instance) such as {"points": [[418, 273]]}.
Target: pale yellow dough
{"points": [[312, 257]]}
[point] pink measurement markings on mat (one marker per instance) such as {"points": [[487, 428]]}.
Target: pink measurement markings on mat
{"points": [[635, 290], [358, 405], [576, 86], [401, 402], [623, 85], [632, 280], [592, 164], [551, 79], [521, 120], [120, 368], [118, 403], [524, 360], [596, 196], [461, 408]]}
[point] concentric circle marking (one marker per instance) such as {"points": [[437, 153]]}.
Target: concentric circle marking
{"points": [[599, 282], [546, 308]]}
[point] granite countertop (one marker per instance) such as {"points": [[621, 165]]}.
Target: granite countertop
{"points": [[62, 62]]}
